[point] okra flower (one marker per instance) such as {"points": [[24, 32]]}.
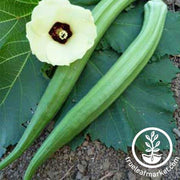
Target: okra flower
{"points": [[59, 32]]}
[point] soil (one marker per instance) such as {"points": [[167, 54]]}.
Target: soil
{"points": [[92, 160]]}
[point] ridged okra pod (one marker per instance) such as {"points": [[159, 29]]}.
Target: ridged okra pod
{"points": [[109, 87]]}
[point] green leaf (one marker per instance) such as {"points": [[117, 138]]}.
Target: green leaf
{"points": [[15, 49], [148, 102], [84, 2], [128, 25], [21, 83], [21, 102], [89, 4], [35, 2]]}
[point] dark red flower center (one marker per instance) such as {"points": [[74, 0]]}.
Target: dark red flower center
{"points": [[60, 32]]}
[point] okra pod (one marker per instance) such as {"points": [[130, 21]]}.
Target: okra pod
{"points": [[109, 87]]}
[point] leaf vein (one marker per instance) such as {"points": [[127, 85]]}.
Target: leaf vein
{"points": [[15, 79]]}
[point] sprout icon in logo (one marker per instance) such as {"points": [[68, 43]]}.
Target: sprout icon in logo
{"points": [[152, 148], [151, 139]]}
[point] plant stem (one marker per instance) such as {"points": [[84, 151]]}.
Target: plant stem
{"points": [[152, 149]]}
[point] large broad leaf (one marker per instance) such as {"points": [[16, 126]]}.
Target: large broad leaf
{"points": [[148, 102], [15, 50], [21, 103], [128, 25], [21, 83]]}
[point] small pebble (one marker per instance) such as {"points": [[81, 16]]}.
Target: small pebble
{"points": [[118, 176], [85, 143], [79, 176], [79, 153], [86, 178], [81, 168], [90, 152], [84, 163], [106, 165], [131, 176]]}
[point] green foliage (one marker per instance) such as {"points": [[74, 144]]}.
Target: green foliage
{"points": [[84, 3], [15, 50], [21, 102], [147, 102], [21, 83], [35, 2], [128, 25]]}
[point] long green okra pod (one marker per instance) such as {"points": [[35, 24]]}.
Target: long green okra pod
{"points": [[64, 79], [115, 81]]}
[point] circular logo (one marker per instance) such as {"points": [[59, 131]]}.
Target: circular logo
{"points": [[152, 158]]}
